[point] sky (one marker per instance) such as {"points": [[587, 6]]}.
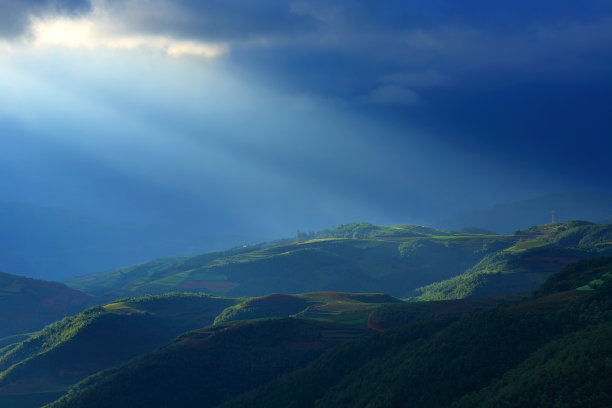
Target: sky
{"points": [[263, 117]]}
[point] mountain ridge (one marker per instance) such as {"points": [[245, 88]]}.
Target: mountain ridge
{"points": [[505, 218]]}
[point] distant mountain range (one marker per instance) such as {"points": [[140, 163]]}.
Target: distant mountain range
{"points": [[55, 244], [506, 218]]}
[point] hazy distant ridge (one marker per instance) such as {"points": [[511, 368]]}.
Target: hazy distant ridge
{"points": [[509, 217]]}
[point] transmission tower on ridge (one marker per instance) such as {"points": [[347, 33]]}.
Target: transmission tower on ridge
{"points": [[552, 213]]}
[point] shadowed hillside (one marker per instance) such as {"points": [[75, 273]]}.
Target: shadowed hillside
{"points": [[48, 362], [100, 337], [542, 352], [27, 305], [461, 353]]}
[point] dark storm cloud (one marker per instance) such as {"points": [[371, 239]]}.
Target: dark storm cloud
{"points": [[236, 19], [15, 14], [518, 94], [525, 82], [216, 20], [360, 49]]}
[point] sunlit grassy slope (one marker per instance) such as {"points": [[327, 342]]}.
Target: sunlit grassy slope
{"points": [[524, 266], [350, 258], [323, 306]]}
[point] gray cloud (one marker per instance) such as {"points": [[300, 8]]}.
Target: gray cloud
{"points": [[406, 43], [14, 14], [213, 20]]}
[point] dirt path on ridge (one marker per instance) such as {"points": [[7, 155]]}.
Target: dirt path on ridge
{"points": [[372, 325]]}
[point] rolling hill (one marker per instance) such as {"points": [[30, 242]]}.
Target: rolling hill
{"points": [[547, 351], [469, 339], [40, 367], [460, 353], [524, 266], [27, 305], [350, 258], [205, 367], [48, 362], [403, 261]]}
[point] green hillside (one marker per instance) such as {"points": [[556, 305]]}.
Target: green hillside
{"points": [[205, 367], [350, 258], [572, 371], [524, 266], [473, 346], [27, 305], [324, 306], [551, 351], [38, 368], [100, 337], [457, 353], [404, 261]]}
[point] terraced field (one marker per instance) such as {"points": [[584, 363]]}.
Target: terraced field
{"points": [[331, 307]]}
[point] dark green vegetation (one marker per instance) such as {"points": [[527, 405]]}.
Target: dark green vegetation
{"points": [[551, 348], [235, 354], [41, 366], [573, 371], [524, 266], [205, 367], [585, 275], [549, 351], [66, 351], [350, 258], [28, 305]]}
